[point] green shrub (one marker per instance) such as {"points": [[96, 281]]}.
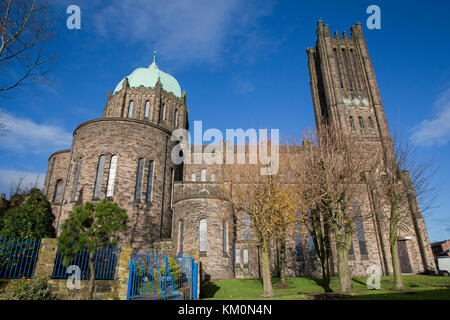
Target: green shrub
{"points": [[29, 289]]}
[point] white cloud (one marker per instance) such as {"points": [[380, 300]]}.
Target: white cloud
{"points": [[8, 177], [183, 31], [26, 136], [435, 131]]}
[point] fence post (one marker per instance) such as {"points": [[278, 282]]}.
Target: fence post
{"points": [[123, 271], [46, 258], [165, 279], [195, 253]]}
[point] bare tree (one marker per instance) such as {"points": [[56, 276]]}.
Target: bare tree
{"points": [[269, 204], [399, 176], [312, 215], [25, 28], [332, 167]]}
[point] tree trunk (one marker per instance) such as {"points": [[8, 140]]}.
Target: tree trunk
{"points": [[326, 272], [283, 260], [345, 278], [92, 279], [267, 279], [393, 242]]}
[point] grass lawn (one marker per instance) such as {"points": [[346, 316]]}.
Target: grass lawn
{"points": [[418, 287]]}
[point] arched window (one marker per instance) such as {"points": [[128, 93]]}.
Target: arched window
{"points": [[112, 176], [352, 123], [175, 119], [336, 59], [225, 236], [77, 177], [99, 177], [370, 123], [299, 244], [149, 194], [180, 236], [245, 254], [147, 109], [238, 177], [361, 123], [347, 70], [360, 231], [139, 174], [58, 191], [213, 177], [193, 177], [130, 109], [246, 234], [351, 251], [203, 244], [203, 175], [237, 256], [162, 115], [172, 176]]}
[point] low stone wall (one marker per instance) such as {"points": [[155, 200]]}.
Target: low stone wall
{"points": [[104, 289]]}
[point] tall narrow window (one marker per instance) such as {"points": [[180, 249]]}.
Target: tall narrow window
{"points": [[193, 177], [213, 177], [77, 177], [203, 175], [139, 174], [246, 235], [172, 176], [50, 175], [245, 254], [203, 244], [237, 256], [355, 68], [175, 119], [130, 109], [99, 178], [180, 236], [351, 251], [299, 244], [58, 191], [311, 247], [147, 109], [162, 116], [336, 59], [149, 194], [347, 70], [370, 123], [225, 237], [112, 176], [361, 123], [352, 123], [360, 230]]}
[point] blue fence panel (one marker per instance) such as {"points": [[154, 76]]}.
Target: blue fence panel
{"points": [[18, 257], [157, 276], [106, 260]]}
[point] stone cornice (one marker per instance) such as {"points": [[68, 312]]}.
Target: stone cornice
{"points": [[58, 152], [161, 127]]}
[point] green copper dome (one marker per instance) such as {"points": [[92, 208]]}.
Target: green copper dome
{"points": [[148, 77]]}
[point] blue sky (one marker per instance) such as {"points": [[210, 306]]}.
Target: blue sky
{"points": [[243, 65]]}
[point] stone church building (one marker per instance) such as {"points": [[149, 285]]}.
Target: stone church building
{"points": [[125, 156]]}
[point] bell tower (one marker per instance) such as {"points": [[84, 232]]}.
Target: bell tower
{"points": [[344, 88]]}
